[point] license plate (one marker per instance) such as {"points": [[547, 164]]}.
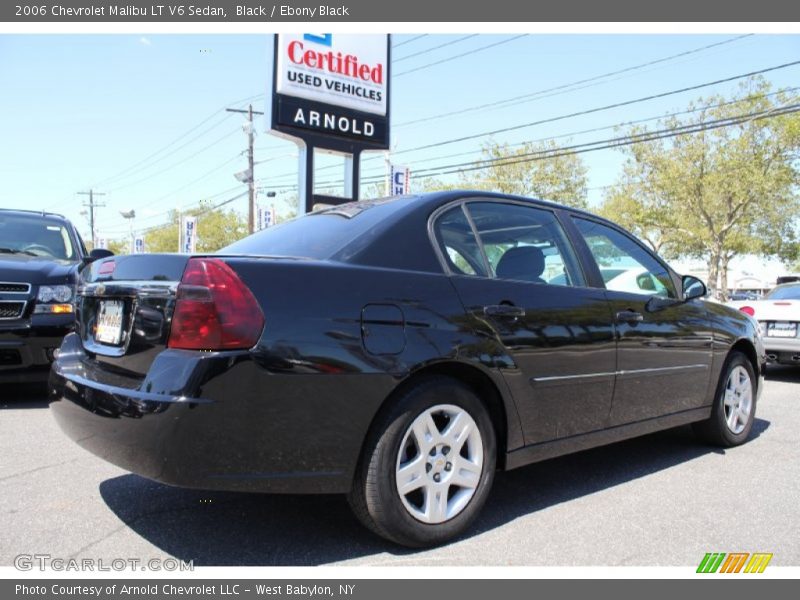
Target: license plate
{"points": [[109, 322], [782, 329]]}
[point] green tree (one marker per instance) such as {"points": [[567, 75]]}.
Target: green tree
{"points": [[539, 170], [216, 228], [725, 189], [119, 246]]}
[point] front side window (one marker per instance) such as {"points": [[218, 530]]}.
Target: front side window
{"points": [[524, 243], [624, 265]]}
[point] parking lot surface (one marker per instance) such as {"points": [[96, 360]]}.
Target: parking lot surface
{"points": [[664, 499]]}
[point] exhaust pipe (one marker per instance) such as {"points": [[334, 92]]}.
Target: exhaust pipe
{"points": [[796, 357], [772, 357]]}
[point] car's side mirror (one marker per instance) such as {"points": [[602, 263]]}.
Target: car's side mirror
{"points": [[693, 288], [97, 254]]}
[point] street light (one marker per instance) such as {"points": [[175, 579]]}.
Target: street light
{"points": [[130, 215]]}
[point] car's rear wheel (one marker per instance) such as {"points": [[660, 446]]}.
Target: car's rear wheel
{"points": [[428, 465], [734, 407]]}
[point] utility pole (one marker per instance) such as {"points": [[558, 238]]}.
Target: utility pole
{"points": [[250, 179], [92, 205]]}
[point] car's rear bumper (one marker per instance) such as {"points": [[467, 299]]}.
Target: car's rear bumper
{"points": [[783, 350], [27, 347], [216, 420]]}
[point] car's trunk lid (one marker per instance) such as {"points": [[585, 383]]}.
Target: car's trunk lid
{"points": [[124, 308]]}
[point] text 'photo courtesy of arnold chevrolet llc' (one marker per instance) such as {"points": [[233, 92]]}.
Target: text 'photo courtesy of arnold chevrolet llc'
{"points": [[337, 296]]}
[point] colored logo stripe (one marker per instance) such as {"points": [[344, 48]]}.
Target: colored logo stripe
{"points": [[734, 562], [758, 562]]}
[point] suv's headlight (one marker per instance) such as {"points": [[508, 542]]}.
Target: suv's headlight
{"points": [[55, 293], [54, 299]]}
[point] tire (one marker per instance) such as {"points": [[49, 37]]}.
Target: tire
{"points": [[446, 473], [734, 408]]}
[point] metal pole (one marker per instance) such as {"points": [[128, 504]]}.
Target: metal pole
{"points": [[251, 214]]}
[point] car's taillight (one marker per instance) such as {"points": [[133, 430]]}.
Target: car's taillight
{"points": [[748, 310], [214, 309]]}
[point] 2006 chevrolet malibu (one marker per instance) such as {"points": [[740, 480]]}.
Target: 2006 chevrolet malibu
{"points": [[398, 351]]}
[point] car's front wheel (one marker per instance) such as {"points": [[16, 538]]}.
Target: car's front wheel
{"points": [[428, 465], [734, 407]]}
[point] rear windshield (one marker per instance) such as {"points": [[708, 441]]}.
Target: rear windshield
{"points": [[790, 292], [35, 236], [322, 235]]}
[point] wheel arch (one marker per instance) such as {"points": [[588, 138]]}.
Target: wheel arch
{"points": [[747, 348], [500, 407]]}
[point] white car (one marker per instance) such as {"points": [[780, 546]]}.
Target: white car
{"points": [[778, 316]]}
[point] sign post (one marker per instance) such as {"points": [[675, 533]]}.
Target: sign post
{"points": [[331, 92]]}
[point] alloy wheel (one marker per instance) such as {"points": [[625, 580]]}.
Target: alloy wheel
{"points": [[439, 464]]}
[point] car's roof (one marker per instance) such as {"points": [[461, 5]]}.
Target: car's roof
{"points": [[28, 213], [429, 201]]}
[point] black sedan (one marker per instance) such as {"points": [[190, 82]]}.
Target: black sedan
{"points": [[39, 256], [398, 351]]}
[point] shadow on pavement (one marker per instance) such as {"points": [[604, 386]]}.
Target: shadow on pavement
{"points": [[218, 528], [786, 374]]}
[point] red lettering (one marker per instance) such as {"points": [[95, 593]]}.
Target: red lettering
{"points": [[310, 58], [335, 63], [295, 46], [377, 74]]}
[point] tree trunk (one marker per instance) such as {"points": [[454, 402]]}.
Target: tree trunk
{"points": [[713, 274], [723, 276]]}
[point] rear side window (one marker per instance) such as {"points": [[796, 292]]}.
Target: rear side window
{"points": [[624, 265], [458, 245], [524, 243]]}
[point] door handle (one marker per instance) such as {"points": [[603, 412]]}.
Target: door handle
{"points": [[629, 316], [503, 310]]}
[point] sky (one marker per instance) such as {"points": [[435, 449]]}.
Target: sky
{"points": [[141, 118]]}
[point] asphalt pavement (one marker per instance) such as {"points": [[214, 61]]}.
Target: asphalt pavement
{"points": [[661, 500]]}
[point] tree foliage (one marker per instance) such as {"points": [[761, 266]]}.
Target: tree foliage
{"points": [[538, 170], [718, 192], [216, 228]]}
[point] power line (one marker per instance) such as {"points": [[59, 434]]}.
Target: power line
{"points": [[413, 39], [127, 170], [581, 132], [173, 165], [457, 56], [598, 144], [180, 189], [618, 142], [600, 108], [432, 48], [564, 87]]}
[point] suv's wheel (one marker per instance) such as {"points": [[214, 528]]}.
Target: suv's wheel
{"points": [[428, 465], [734, 407]]}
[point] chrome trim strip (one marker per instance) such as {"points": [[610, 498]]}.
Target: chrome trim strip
{"points": [[582, 376], [28, 291], [21, 312], [663, 369], [618, 373]]}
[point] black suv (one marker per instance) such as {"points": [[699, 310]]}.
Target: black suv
{"points": [[40, 254]]}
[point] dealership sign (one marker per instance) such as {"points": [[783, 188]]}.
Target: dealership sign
{"points": [[333, 88], [188, 234], [400, 180]]}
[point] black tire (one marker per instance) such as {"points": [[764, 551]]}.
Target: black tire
{"points": [[375, 498], [716, 429]]}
